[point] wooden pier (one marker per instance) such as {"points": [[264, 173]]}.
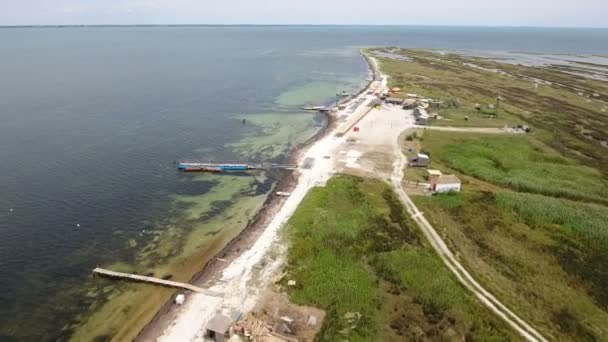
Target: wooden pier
{"points": [[152, 280]]}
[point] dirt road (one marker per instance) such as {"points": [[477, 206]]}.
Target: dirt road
{"points": [[488, 130], [452, 263], [379, 132]]}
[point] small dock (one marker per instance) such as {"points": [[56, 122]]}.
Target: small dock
{"points": [[157, 281]]}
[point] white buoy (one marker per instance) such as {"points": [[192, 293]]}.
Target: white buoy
{"points": [[77, 224], [11, 209]]}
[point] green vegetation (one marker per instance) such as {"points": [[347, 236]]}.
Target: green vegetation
{"points": [[201, 226], [311, 93], [532, 221], [582, 234], [273, 133], [571, 107], [206, 223], [586, 221], [517, 162], [356, 254], [542, 254], [530, 251]]}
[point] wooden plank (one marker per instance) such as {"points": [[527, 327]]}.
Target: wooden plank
{"points": [[141, 278]]}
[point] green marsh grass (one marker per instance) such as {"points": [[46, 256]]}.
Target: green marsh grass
{"points": [[353, 246], [517, 163], [545, 258]]}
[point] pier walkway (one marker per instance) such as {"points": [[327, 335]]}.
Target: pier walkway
{"points": [[152, 280]]}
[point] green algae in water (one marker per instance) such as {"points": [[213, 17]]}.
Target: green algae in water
{"points": [[171, 254], [226, 187], [315, 93], [272, 131], [203, 224], [308, 94]]}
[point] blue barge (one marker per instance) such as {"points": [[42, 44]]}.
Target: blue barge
{"points": [[211, 167]]}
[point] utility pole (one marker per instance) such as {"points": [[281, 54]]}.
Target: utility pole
{"points": [[498, 100]]}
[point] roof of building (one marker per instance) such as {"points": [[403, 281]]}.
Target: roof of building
{"points": [[423, 156], [219, 324], [434, 172], [448, 179]]}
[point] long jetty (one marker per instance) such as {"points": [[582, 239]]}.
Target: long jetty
{"points": [[157, 281], [230, 167]]}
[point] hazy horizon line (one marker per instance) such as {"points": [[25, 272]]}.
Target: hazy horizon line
{"points": [[294, 25]]}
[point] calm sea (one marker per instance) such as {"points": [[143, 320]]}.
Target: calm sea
{"points": [[92, 119]]}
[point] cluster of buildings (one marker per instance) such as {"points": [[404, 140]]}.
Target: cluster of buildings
{"points": [[439, 183], [412, 101]]}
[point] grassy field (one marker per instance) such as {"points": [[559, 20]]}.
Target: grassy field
{"points": [[532, 221], [355, 254], [531, 225], [546, 258], [572, 108], [518, 162]]}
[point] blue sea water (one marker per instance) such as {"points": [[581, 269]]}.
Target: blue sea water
{"points": [[92, 118]]}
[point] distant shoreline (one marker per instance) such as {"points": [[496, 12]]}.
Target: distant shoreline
{"points": [[302, 25]]}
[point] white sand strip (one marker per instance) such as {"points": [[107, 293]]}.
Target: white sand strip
{"points": [[241, 294]]}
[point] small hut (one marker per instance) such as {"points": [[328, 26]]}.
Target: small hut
{"points": [[441, 183], [447, 183], [219, 328], [421, 160]]}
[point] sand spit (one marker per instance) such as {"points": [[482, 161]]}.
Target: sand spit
{"points": [[243, 276]]}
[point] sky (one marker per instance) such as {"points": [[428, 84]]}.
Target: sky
{"points": [[561, 13]]}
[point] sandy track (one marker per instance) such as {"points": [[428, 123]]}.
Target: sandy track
{"points": [[488, 130], [522, 327], [241, 282]]}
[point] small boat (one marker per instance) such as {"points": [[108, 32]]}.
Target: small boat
{"points": [[344, 93]]}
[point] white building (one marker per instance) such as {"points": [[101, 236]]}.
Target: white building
{"points": [[447, 183], [441, 183]]}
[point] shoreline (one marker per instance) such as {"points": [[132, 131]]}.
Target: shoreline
{"points": [[212, 269]]}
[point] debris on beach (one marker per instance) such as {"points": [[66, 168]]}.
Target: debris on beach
{"points": [[253, 328]]}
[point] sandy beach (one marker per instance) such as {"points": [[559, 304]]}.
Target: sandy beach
{"points": [[247, 265]]}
